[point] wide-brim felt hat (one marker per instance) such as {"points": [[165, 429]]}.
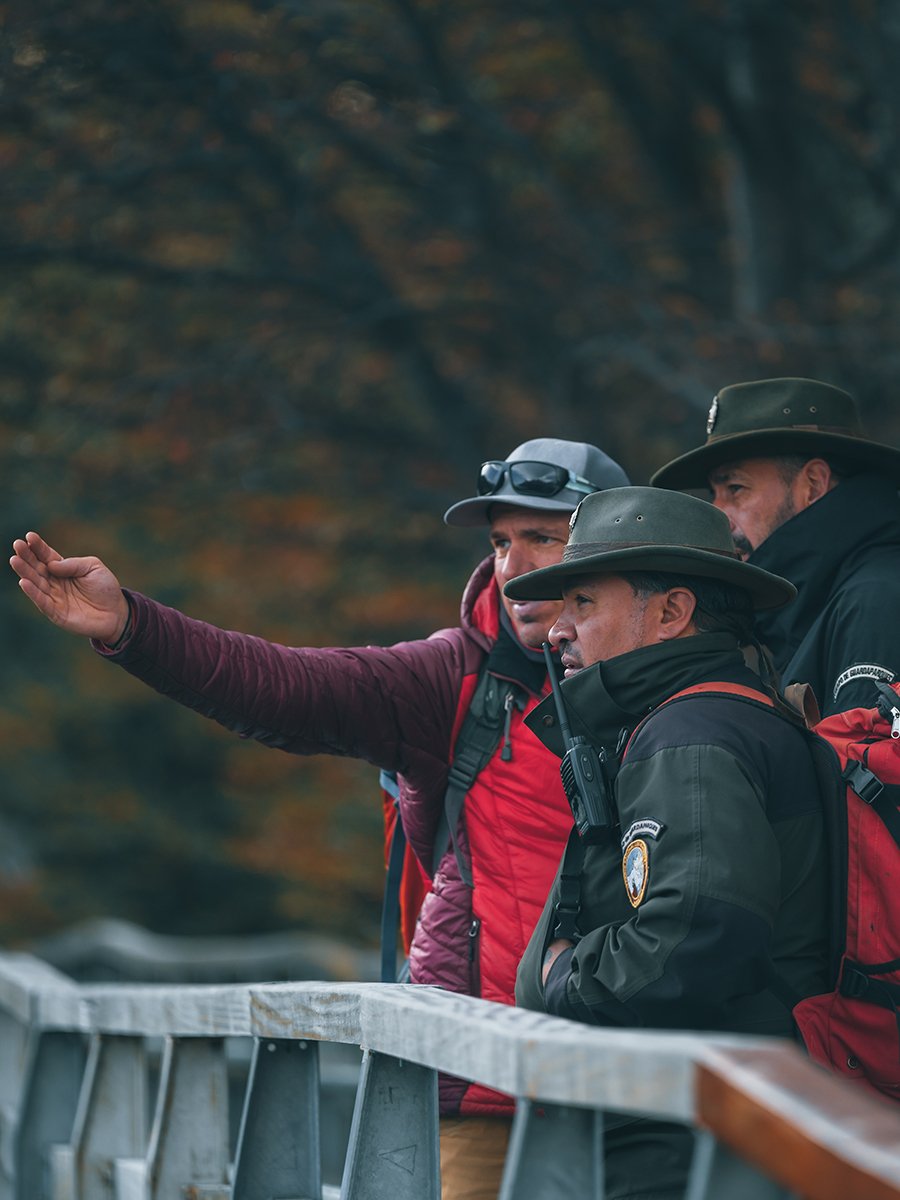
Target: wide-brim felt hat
{"points": [[768, 418], [650, 529], [581, 458]]}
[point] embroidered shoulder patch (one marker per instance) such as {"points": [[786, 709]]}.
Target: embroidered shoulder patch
{"points": [[863, 671], [645, 828], [636, 871]]}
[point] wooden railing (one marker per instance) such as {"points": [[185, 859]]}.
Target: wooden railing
{"points": [[77, 1122]]}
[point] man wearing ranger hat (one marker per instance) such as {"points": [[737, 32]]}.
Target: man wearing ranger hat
{"points": [[697, 898], [809, 496], [405, 708]]}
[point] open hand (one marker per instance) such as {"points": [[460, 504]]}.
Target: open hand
{"points": [[78, 594]]}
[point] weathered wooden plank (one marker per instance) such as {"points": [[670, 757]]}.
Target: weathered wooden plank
{"points": [[811, 1131], [515, 1051], [324, 1012], [36, 993], [213, 1011]]}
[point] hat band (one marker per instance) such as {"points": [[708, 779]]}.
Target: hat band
{"points": [[581, 550], [842, 430]]}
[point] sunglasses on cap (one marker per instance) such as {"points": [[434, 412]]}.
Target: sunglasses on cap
{"points": [[531, 478]]}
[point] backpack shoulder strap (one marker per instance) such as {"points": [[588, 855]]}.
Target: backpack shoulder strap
{"points": [[487, 719], [390, 908], [833, 791], [724, 689], [737, 690]]}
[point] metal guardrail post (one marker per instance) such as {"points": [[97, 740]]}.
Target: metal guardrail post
{"points": [[278, 1143], [14, 1043], [189, 1139], [555, 1151], [394, 1151], [52, 1086], [110, 1122], [716, 1172]]}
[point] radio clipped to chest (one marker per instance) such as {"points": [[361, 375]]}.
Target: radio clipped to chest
{"points": [[586, 775]]}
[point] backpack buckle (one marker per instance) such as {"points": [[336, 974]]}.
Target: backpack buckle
{"points": [[567, 922], [863, 782], [854, 984]]}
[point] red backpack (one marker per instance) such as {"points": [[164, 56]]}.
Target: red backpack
{"points": [[855, 1029]]}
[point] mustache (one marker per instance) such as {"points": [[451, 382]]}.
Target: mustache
{"points": [[566, 651]]}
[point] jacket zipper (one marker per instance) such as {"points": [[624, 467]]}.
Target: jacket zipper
{"points": [[506, 751], [474, 964]]}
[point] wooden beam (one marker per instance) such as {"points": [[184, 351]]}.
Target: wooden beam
{"points": [[810, 1131]]}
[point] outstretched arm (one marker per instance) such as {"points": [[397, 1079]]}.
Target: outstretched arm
{"points": [[79, 594]]}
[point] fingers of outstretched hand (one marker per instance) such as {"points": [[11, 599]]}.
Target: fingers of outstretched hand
{"points": [[78, 594], [36, 587], [26, 566], [33, 547], [35, 560]]}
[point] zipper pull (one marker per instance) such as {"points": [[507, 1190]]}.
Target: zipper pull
{"points": [[887, 706], [473, 937], [506, 752]]}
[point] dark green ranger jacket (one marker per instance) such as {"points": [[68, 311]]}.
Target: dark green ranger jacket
{"points": [[714, 883], [843, 555]]}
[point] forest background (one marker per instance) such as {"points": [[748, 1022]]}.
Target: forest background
{"points": [[276, 277]]}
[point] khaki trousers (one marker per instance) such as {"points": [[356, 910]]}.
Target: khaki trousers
{"points": [[473, 1151]]}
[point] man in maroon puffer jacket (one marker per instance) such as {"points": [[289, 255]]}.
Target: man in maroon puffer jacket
{"points": [[400, 708]]}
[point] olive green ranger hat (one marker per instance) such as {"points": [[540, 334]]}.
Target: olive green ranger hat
{"points": [[772, 417], [649, 529]]}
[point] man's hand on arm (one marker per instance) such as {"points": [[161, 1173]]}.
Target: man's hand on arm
{"points": [[79, 594]]}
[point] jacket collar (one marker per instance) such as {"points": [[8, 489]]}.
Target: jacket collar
{"points": [[818, 548], [484, 617], [609, 696]]}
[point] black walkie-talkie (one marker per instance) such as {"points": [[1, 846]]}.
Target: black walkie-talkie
{"points": [[583, 775]]}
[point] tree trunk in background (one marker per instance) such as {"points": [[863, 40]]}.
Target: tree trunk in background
{"points": [[760, 166]]}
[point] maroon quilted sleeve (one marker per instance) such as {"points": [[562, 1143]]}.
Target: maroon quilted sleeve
{"points": [[392, 706]]}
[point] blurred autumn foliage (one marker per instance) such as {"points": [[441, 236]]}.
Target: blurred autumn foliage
{"points": [[276, 276]]}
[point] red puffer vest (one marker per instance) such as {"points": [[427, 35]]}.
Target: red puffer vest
{"points": [[514, 828]]}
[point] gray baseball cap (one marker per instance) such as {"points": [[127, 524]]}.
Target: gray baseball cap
{"points": [[547, 474]]}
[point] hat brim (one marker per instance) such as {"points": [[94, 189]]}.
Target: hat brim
{"points": [[767, 590], [692, 470], [473, 512]]}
